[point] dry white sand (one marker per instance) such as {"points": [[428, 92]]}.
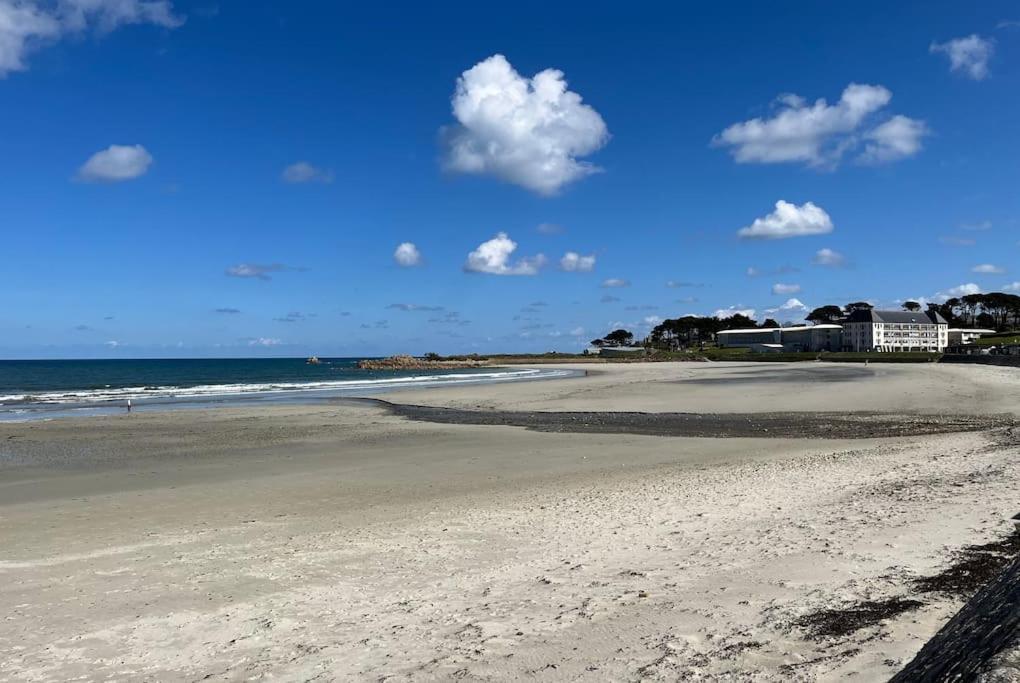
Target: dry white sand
{"points": [[340, 543]]}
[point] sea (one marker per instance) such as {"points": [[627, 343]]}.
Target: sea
{"points": [[45, 389]]}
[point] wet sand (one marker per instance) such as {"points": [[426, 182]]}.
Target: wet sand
{"points": [[341, 542]]}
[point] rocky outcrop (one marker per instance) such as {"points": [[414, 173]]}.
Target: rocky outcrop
{"points": [[412, 363], [981, 643]]}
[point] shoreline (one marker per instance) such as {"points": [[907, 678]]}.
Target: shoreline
{"points": [[216, 396]]}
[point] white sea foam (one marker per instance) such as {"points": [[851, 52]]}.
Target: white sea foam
{"points": [[163, 393]]}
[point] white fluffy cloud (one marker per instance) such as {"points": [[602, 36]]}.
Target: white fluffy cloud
{"points": [[529, 132], [988, 269], [780, 288], [116, 163], [969, 54], [407, 255], [820, 134], [791, 305], [828, 257], [572, 262], [897, 138], [958, 291], [26, 25], [789, 220], [734, 310], [304, 172], [493, 257]]}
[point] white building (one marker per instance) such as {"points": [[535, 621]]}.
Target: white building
{"points": [[871, 330], [800, 338], [959, 336]]}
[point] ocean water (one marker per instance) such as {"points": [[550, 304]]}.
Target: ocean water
{"points": [[49, 388]]}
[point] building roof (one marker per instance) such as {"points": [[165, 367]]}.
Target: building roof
{"points": [[901, 317], [750, 330], [823, 326]]}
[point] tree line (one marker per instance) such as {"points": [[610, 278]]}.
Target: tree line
{"points": [[995, 310]]}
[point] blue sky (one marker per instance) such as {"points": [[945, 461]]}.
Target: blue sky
{"points": [[198, 179]]}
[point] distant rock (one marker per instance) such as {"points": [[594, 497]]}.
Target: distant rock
{"points": [[412, 363]]}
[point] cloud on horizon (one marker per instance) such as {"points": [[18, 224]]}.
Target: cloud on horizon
{"points": [[414, 307]]}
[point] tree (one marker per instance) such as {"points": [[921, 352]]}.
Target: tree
{"points": [[857, 306], [825, 314], [738, 321], [620, 338], [598, 343], [911, 306], [770, 322]]}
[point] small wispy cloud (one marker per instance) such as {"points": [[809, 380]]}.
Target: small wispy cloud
{"points": [[304, 172], [114, 164], [828, 257], [414, 307], [264, 341], [227, 311], [450, 318], [294, 317], [954, 241], [260, 271], [407, 255], [988, 269], [609, 299], [781, 288], [573, 262], [969, 55], [615, 282]]}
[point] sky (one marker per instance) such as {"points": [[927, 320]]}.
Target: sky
{"points": [[198, 179]]}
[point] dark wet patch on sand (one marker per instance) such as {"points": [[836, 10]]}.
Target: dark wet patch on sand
{"points": [[786, 375], [709, 425]]}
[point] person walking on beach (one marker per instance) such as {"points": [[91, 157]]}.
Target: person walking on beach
{"points": [[129, 405]]}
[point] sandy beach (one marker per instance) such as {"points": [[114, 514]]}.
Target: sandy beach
{"points": [[497, 536]]}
